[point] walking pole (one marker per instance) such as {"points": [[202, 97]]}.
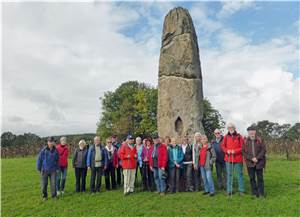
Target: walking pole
{"points": [[231, 175]]}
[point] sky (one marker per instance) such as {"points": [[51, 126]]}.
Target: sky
{"points": [[58, 59]]}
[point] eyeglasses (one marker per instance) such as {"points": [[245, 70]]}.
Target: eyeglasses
{"points": [[109, 142], [217, 133]]}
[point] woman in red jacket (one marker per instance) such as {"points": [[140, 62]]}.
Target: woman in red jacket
{"points": [[232, 147], [128, 156], [158, 163], [63, 152]]}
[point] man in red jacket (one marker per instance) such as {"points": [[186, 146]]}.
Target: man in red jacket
{"points": [[63, 152], [128, 156], [232, 147], [158, 163]]}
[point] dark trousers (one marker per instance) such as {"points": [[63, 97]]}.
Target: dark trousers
{"points": [[80, 174], [188, 176], [96, 175], [110, 177], [147, 176], [257, 188], [44, 183], [119, 175], [197, 179], [174, 174], [221, 174]]}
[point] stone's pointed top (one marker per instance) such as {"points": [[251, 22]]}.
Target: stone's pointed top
{"points": [[177, 22], [179, 53]]}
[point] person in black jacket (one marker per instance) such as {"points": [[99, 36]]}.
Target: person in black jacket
{"points": [[187, 164], [79, 164], [220, 162], [254, 152]]}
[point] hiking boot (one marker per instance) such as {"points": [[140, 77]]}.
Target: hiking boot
{"points": [[44, 199], [242, 193], [58, 193], [162, 194], [205, 193], [212, 194]]}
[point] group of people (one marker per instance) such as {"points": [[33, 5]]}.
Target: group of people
{"points": [[165, 164]]}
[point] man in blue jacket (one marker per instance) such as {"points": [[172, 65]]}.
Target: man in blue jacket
{"points": [[220, 163], [97, 162], [47, 164]]}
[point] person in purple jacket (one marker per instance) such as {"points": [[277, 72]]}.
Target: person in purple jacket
{"points": [[147, 174]]}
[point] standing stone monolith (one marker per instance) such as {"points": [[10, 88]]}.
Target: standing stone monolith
{"points": [[180, 93]]}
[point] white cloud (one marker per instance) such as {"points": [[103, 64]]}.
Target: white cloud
{"points": [[58, 59], [231, 7], [202, 18], [249, 82]]}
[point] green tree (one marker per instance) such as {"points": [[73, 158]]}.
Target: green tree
{"points": [[268, 130], [293, 133], [7, 139], [212, 119], [132, 108]]}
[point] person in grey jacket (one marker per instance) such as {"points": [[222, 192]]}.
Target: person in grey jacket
{"points": [[254, 151], [197, 172], [79, 164], [207, 159], [96, 162]]}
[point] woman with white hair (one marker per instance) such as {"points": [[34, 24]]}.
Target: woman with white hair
{"points": [[232, 148], [197, 172], [79, 163]]}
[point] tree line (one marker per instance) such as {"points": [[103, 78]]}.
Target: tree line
{"points": [[132, 108]]}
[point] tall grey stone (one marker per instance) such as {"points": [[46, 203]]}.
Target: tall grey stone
{"points": [[180, 93]]}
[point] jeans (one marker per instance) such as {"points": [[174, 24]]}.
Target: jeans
{"points": [[188, 176], [257, 189], [129, 177], [221, 174], [208, 181], [44, 183], [61, 175], [96, 175], [80, 174], [238, 167], [160, 181], [110, 177], [174, 179], [147, 176]]}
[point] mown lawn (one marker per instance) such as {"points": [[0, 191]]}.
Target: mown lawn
{"points": [[20, 195]]}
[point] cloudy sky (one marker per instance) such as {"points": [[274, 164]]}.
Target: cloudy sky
{"points": [[59, 58]]}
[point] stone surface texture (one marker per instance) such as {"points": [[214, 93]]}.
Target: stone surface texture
{"points": [[180, 92]]}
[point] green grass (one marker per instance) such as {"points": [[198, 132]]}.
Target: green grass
{"points": [[20, 196]]}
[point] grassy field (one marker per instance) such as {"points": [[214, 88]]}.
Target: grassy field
{"points": [[20, 195]]}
